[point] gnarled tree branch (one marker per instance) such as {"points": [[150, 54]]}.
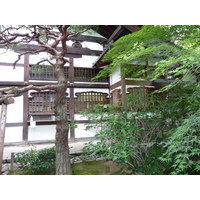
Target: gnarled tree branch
{"points": [[15, 91]]}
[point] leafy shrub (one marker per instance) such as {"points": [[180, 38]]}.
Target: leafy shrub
{"points": [[152, 140], [38, 162], [127, 137]]}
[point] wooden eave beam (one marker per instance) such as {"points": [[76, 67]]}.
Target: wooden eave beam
{"points": [[132, 28], [115, 34], [86, 38], [11, 64], [70, 50]]}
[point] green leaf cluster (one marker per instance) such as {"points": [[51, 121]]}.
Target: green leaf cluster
{"points": [[182, 147]]}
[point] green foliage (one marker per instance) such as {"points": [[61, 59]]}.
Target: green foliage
{"points": [[166, 51], [135, 134], [183, 146], [127, 137], [39, 162], [170, 50]]}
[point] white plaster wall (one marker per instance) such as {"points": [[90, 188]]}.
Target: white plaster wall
{"points": [[9, 56], [85, 61], [15, 111], [33, 59], [13, 134], [80, 132], [92, 45], [7, 73], [115, 77], [41, 132]]}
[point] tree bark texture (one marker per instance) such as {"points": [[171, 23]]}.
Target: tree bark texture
{"points": [[63, 165]]}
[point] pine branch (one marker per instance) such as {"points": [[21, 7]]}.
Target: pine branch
{"points": [[15, 91]]}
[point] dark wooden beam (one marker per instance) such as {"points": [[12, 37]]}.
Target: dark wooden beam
{"points": [[25, 100], [88, 85], [76, 85], [112, 38], [26, 68], [11, 83], [132, 28], [70, 50], [87, 38], [71, 99], [10, 64], [116, 33], [142, 83], [14, 124], [25, 117]]}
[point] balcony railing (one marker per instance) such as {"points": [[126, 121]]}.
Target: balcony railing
{"points": [[41, 72]]}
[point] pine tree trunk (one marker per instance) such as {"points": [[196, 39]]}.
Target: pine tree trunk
{"points": [[63, 165]]}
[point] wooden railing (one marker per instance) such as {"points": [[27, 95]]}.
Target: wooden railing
{"points": [[42, 103], [86, 99], [42, 72]]}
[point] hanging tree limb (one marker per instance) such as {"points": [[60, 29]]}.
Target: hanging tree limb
{"points": [[15, 91]]}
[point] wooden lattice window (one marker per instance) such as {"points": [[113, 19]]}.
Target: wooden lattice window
{"points": [[86, 99], [44, 72], [86, 74], [42, 102], [140, 96]]}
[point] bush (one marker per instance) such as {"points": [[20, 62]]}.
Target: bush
{"points": [[127, 137], [150, 133], [41, 162]]}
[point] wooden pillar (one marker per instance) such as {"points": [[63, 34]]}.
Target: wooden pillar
{"points": [[2, 132], [123, 88], [25, 117], [3, 126], [25, 100], [26, 68], [71, 100]]}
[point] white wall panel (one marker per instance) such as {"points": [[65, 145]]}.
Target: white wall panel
{"points": [[13, 134], [41, 132], [15, 111]]}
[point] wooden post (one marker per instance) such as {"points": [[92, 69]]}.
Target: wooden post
{"points": [[2, 132], [3, 127], [25, 117], [25, 100], [71, 100], [123, 88], [12, 162]]}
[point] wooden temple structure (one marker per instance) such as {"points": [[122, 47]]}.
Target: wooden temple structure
{"points": [[82, 92]]}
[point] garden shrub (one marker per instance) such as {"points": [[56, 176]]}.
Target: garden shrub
{"points": [[126, 137], [39, 162], [152, 140]]}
